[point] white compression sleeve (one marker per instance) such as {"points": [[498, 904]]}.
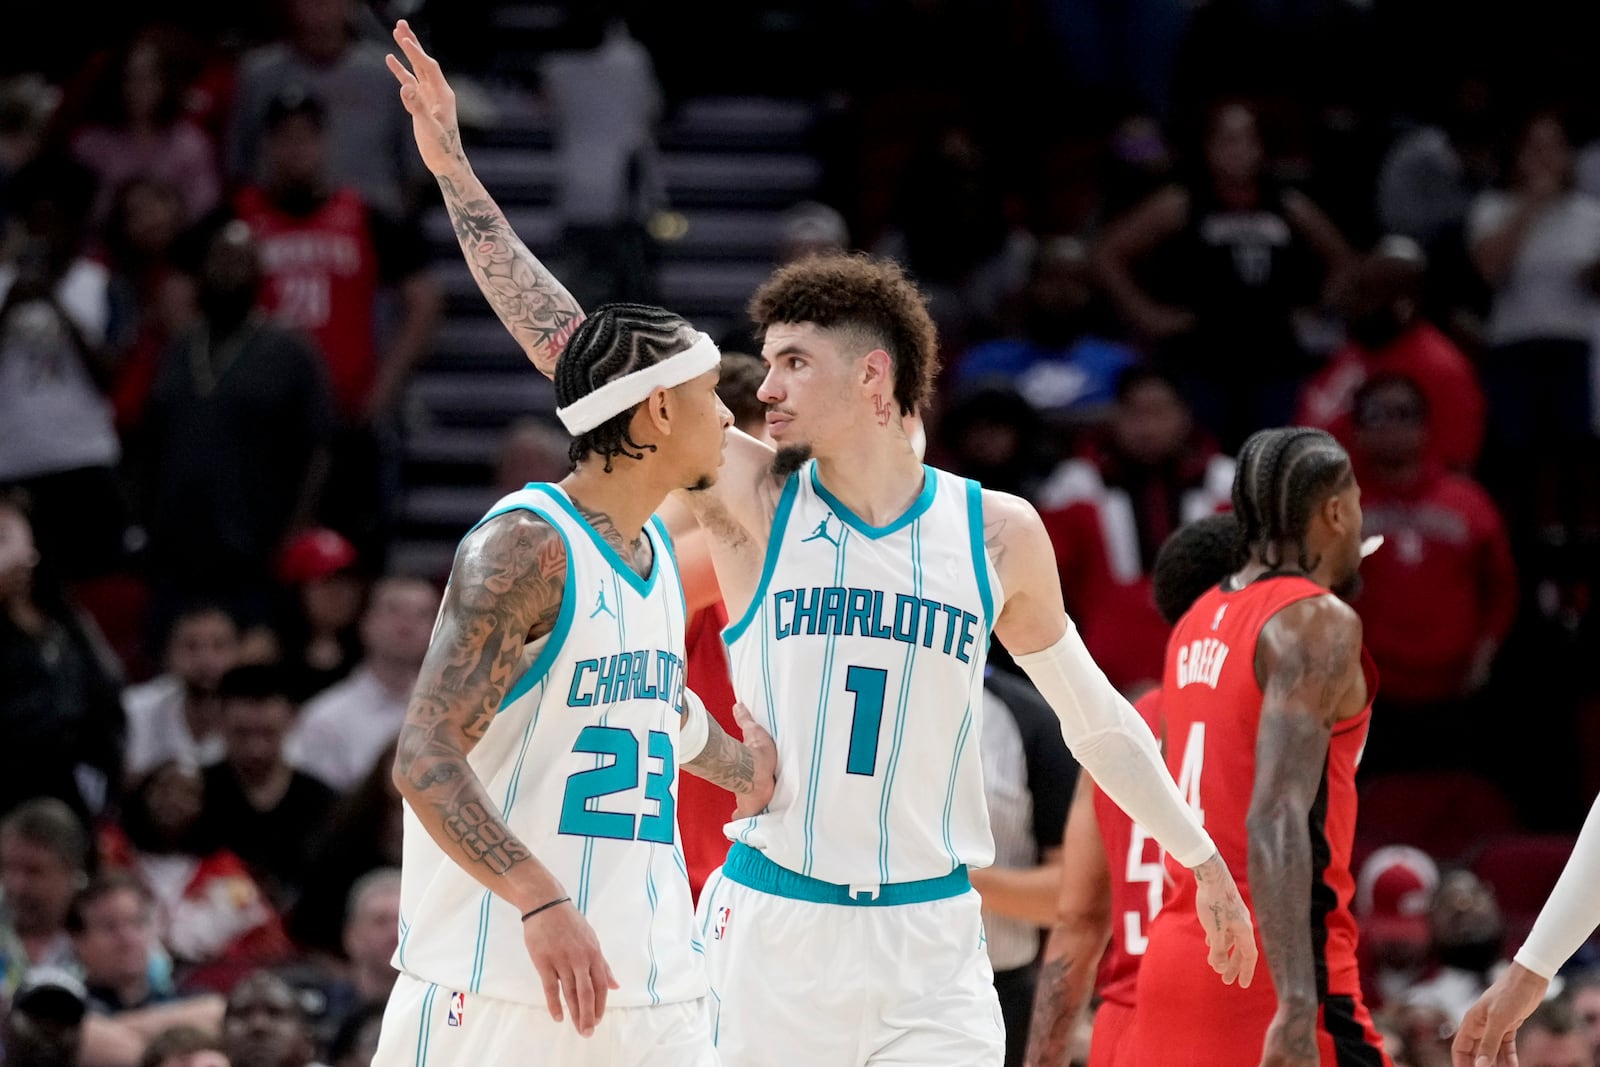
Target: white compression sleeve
{"points": [[1115, 746], [696, 727], [1573, 910]]}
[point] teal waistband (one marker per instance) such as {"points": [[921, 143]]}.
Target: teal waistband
{"points": [[749, 867]]}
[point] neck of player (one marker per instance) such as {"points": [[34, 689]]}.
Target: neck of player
{"points": [[616, 504], [1288, 557], [878, 476]]}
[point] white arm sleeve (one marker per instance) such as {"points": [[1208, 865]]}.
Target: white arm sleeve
{"points": [[696, 727], [1573, 910], [1115, 746]]}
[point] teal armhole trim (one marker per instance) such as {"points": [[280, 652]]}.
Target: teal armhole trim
{"points": [[780, 523], [980, 556], [558, 633]]}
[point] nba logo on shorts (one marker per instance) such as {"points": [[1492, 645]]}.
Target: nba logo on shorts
{"points": [[723, 914], [458, 1009]]}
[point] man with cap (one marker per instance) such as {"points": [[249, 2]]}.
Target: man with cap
{"points": [[1394, 894]]}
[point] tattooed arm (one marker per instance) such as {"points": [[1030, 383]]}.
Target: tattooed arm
{"points": [[1309, 664], [534, 306], [745, 768], [1081, 931], [505, 587]]}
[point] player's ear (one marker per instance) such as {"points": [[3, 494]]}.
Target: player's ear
{"points": [[877, 369], [658, 409]]}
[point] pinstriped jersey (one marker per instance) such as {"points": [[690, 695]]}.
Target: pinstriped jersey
{"points": [[581, 761], [862, 653]]}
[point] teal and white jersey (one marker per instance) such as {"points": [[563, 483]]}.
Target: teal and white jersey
{"points": [[862, 653], [581, 760]]}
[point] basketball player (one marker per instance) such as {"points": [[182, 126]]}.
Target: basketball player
{"points": [[539, 754], [1112, 879], [843, 928], [1266, 698], [1488, 1034]]}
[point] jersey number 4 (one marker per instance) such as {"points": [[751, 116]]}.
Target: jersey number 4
{"points": [[581, 813], [1153, 874]]}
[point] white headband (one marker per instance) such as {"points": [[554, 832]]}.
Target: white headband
{"points": [[615, 397]]}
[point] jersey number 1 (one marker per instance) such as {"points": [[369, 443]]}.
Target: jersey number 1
{"points": [[583, 818], [868, 685]]}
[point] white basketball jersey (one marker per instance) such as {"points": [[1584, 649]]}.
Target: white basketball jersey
{"points": [[581, 761], [862, 653]]}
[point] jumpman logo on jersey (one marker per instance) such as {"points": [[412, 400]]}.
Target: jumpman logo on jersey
{"points": [[1216, 622], [601, 605], [821, 532]]}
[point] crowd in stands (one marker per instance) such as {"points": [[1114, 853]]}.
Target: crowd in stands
{"points": [[213, 292]]}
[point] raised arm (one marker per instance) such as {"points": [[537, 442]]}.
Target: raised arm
{"points": [[505, 589], [1309, 663], [1103, 730], [1078, 937], [534, 306]]}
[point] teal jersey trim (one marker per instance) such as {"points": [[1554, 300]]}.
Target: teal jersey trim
{"points": [[672, 554], [780, 522], [642, 586], [750, 868], [980, 555], [930, 486], [425, 1027], [540, 668], [907, 675], [819, 738]]}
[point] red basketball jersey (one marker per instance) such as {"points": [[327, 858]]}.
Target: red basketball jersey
{"points": [[321, 277], [1211, 707], [1138, 881]]}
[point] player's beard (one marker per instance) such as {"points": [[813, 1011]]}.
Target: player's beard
{"points": [[702, 483], [789, 459], [1348, 589]]}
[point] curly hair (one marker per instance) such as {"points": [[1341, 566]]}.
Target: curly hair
{"points": [[855, 291], [615, 340], [1196, 557]]}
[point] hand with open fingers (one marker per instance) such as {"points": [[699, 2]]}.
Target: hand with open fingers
{"points": [[765, 754], [566, 953], [430, 102], [1291, 1040], [1230, 934], [1487, 1036]]}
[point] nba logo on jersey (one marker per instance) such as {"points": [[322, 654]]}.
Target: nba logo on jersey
{"points": [[723, 914], [458, 1009]]}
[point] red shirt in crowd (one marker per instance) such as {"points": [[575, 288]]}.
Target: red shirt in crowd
{"points": [[1427, 357], [1442, 585]]}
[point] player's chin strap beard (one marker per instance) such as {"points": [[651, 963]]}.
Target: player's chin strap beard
{"points": [[789, 459], [620, 394]]}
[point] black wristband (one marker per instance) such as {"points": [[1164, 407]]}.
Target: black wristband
{"points": [[545, 907]]}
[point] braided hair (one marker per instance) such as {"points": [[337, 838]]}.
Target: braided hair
{"points": [[615, 340], [1283, 475]]}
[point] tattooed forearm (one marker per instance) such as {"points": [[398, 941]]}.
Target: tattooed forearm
{"points": [[506, 587], [534, 306], [725, 762], [1050, 1032]]}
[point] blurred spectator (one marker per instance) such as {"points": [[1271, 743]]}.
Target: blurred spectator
{"points": [[606, 104], [265, 1025], [184, 1046], [356, 1043], [1538, 245], [1059, 356], [951, 231], [362, 834], [154, 299], [1110, 508], [1433, 170], [369, 133], [342, 730], [990, 433], [233, 444], [1583, 989], [811, 228], [319, 632], [365, 977], [136, 128], [44, 1026], [1236, 255], [257, 805], [1438, 599], [1553, 1036], [55, 307], [44, 860], [533, 450], [327, 257], [59, 709], [213, 917], [26, 102], [177, 715], [1028, 778], [1394, 896], [1468, 935], [1388, 335]]}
